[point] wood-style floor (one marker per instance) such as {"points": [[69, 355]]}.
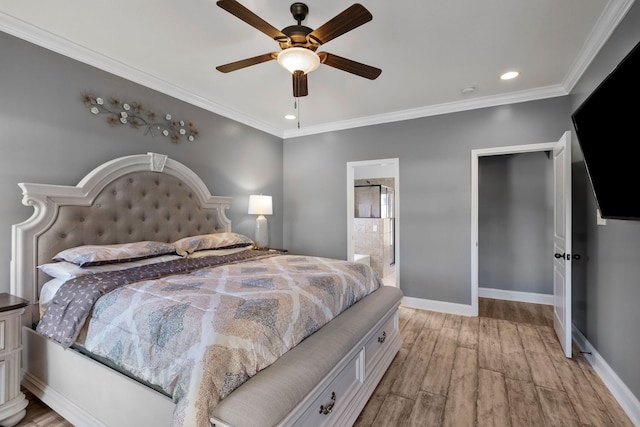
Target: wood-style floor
{"points": [[503, 368]]}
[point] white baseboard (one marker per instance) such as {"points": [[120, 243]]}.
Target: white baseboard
{"points": [[441, 306], [620, 391], [516, 296]]}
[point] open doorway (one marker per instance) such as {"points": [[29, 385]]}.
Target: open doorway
{"points": [[515, 227], [560, 253], [475, 190], [373, 216]]}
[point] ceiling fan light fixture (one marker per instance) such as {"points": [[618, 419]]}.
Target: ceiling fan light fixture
{"points": [[299, 59]]}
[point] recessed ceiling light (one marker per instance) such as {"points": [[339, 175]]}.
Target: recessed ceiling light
{"points": [[290, 117], [510, 75]]}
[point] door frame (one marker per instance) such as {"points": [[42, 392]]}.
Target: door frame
{"points": [[351, 166], [475, 155]]}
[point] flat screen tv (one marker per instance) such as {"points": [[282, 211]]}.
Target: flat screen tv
{"points": [[607, 126]]}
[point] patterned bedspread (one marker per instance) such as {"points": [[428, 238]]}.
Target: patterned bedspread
{"points": [[201, 334]]}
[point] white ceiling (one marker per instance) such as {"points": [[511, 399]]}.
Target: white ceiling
{"points": [[428, 52]]}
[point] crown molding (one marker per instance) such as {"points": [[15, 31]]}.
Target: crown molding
{"points": [[607, 23], [55, 43], [433, 110]]}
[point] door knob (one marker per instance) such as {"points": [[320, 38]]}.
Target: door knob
{"points": [[563, 256]]}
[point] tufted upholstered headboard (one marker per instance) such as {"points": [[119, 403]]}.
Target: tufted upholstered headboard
{"points": [[129, 199]]}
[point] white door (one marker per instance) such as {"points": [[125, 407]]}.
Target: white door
{"points": [[562, 241]]}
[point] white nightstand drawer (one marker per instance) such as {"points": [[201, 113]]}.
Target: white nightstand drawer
{"points": [[3, 380], [10, 324], [2, 333]]}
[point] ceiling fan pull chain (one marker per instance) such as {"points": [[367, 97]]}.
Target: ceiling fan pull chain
{"points": [[298, 103]]}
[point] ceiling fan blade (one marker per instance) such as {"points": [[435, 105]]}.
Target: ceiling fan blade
{"points": [[350, 18], [241, 12], [353, 67], [300, 87], [243, 63]]}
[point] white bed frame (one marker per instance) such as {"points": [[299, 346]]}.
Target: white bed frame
{"points": [[87, 393]]}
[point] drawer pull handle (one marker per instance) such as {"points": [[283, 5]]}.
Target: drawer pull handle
{"points": [[383, 337], [326, 410]]}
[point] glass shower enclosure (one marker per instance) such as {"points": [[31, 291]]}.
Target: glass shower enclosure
{"points": [[377, 201]]}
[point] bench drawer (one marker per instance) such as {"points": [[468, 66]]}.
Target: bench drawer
{"points": [[338, 393], [383, 335]]}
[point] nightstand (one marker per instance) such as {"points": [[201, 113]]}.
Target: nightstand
{"points": [[12, 401]]}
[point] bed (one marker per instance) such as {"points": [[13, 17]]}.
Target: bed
{"points": [[298, 370]]}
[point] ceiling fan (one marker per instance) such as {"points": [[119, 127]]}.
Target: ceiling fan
{"points": [[299, 43]]}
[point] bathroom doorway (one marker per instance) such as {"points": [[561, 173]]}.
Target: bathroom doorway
{"points": [[373, 216]]}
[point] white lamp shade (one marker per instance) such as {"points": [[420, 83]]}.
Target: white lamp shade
{"points": [[299, 59], [260, 205]]}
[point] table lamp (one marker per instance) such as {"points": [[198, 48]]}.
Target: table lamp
{"points": [[261, 205]]}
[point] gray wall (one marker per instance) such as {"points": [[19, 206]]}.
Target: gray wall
{"points": [[515, 222], [606, 286], [434, 187], [49, 136]]}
